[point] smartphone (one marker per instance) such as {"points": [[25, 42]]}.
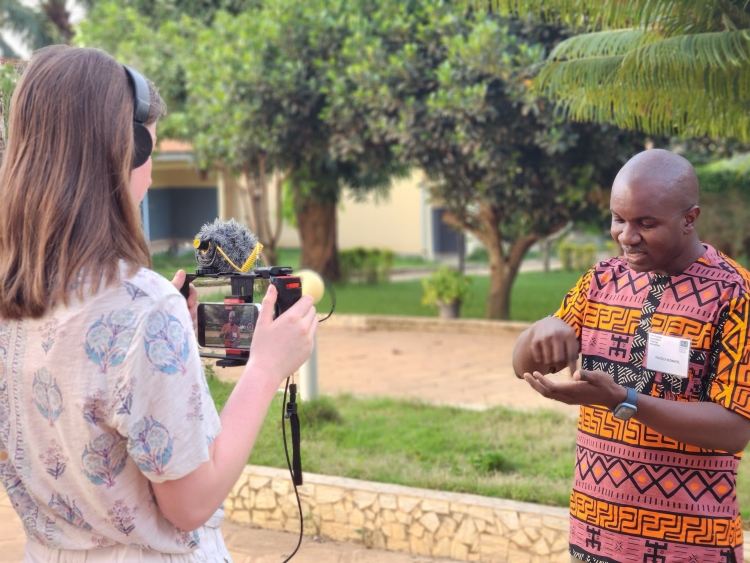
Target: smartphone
{"points": [[227, 325]]}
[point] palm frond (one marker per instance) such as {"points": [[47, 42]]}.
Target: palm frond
{"points": [[713, 50], [603, 43], [26, 22], [658, 111], [651, 60], [670, 16], [694, 83], [6, 51]]}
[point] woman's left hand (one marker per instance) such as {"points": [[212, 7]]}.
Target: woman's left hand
{"points": [[192, 300]]}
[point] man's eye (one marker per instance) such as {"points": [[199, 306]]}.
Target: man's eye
{"points": [[617, 220], [647, 225]]}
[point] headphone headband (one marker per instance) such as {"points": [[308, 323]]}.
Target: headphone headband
{"points": [[144, 144], [140, 93]]}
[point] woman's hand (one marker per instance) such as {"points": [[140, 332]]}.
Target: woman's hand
{"points": [[280, 346], [192, 301]]}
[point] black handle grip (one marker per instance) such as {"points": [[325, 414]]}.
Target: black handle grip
{"points": [[185, 289]]}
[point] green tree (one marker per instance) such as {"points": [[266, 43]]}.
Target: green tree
{"points": [[251, 91], [455, 93], [659, 66]]}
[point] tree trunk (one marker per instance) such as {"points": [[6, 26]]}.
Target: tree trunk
{"points": [[256, 210], [546, 244], [57, 13], [317, 231], [503, 272], [270, 256]]}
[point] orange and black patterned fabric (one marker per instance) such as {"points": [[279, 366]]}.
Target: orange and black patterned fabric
{"points": [[639, 496]]}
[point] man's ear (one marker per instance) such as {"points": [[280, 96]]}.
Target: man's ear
{"points": [[690, 218]]}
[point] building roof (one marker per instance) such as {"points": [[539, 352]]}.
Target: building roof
{"points": [[170, 145]]}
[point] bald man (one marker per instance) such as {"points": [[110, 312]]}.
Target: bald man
{"points": [[230, 332], [664, 385]]}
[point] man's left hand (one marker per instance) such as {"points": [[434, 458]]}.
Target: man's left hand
{"points": [[192, 301], [587, 388]]}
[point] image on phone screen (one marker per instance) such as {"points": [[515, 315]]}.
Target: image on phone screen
{"points": [[223, 325]]}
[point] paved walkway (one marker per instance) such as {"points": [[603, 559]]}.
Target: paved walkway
{"points": [[471, 370]]}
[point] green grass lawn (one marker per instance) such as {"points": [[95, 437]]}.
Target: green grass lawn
{"points": [[535, 295], [499, 453], [525, 456]]}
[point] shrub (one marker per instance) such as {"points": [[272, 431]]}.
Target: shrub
{"points": [[492, 462], [319, 412], [446, 285], [368, 265], [577, 257]]}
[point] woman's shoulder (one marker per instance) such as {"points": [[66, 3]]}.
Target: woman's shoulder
{"points": [[145, 284]]}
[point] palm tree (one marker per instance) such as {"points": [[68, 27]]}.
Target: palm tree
{"points": [[29, 23], [661, 66]]}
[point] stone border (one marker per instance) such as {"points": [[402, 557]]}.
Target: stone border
{"points": [[419, 521], [424, 324]]}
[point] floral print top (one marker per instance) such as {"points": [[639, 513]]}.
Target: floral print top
{"points": [[98, 400]]}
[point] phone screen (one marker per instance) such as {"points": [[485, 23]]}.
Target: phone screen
{"points": [[224, 325]]}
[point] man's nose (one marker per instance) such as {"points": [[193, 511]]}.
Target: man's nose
{"points": [[629, 236]]}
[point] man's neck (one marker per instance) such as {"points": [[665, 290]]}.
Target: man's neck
{"points": [[684, 260]]}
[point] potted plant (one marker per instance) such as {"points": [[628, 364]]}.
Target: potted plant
{"points": [[446, 288]]}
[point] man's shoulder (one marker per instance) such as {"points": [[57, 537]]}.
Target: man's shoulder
{"points": [[732, 275], [616, 262]]}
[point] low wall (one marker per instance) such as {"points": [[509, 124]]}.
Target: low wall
{"points": [[424, 324], [419, 521]]}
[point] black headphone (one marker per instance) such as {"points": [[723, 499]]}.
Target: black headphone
{"points": [[144, 143]]}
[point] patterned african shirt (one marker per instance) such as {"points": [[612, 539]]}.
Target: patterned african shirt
{"points": [[639, 496], [98, 400]]}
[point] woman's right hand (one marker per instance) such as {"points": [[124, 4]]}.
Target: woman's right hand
{"points": [[282, 345]]}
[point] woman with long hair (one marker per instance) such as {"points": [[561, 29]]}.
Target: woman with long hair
{"points": [[111, 448]]}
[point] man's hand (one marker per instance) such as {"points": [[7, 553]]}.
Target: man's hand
{"points": [[548, 346], [587, 388], [192, 301]]}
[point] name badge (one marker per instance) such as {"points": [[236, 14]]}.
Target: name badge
{"points": [[234, 335], [668, 354]]}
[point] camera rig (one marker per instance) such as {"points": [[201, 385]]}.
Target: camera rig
{"points": [[288, 287], [214, 262]]}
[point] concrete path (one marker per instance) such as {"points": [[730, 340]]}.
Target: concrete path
{"points": [[470, 370]]}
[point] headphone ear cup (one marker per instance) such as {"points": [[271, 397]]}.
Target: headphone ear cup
{"points": [[144, 144]]}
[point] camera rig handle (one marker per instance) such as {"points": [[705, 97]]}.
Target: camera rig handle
{"points": [[185, 289], [242, 284]]}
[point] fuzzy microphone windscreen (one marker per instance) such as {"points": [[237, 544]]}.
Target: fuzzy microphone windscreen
{"points": [[237, 242]]}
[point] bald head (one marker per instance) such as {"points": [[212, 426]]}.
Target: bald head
{"points": [[654, 208], [668, 179]]}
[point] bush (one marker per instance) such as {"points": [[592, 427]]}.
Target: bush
{"points": [[577, 257], [565, 251], [613, 248], [446, 285], [479, 254], [492, 462], [319, 412], [368, 265]]}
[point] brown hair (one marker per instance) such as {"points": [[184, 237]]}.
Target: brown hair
{"points": [[67, 214]]}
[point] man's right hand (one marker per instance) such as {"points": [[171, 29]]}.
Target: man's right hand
{"points": [[548, 346]]}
